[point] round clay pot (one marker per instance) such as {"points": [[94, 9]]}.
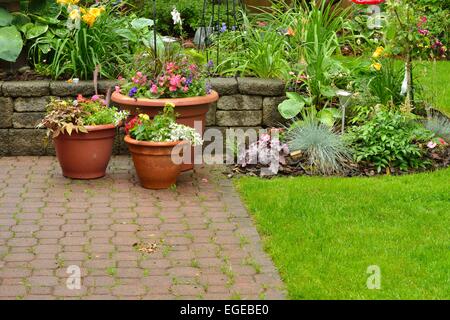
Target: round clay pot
{"points": [[85, 155], [153, 162], [188, 110]]}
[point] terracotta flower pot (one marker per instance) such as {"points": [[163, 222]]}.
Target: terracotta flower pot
{"points": [[189, 110], [153, 162], [85, 155]]}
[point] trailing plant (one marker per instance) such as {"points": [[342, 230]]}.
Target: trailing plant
{"points": [[162, 128], [66, 116], [325, 151], [390, 140]]}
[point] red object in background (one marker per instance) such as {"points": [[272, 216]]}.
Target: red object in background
{"points": [[371, 2]]}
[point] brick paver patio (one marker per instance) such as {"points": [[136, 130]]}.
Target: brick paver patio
{"points": [[205, 244]]}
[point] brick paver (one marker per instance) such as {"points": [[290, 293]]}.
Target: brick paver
{"points": [[193, 241]]}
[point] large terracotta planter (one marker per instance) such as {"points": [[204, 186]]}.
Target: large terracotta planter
{"points": [[85, 155], [189, 110], [153, 162]]}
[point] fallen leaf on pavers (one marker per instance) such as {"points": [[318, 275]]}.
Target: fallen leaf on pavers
{"points": [[205, 180], [145, 247]]}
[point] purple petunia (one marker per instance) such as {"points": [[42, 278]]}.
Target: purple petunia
{"points": [[224, 27], [132, 92], [208, 88]]}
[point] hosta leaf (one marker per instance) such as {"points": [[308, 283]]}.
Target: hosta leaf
{"points": [[141, 23], [5, 18], [10, 43], [36, 30], [290, 108]]}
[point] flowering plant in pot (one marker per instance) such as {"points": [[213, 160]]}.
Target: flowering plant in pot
{"points": [[83, 133], [156, 146]]}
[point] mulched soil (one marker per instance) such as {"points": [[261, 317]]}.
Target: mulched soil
{"points": [[22, 74], [439, 158]]}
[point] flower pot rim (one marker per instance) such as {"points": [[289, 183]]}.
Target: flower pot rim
{"points": [[128, 139], [99, 127], [160, 102]]}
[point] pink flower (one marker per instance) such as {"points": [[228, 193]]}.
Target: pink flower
{"points": [[185, 89], [175, 81], [139, 74], [431, 145], [442, 142], [154, 89], [119, 78], [95, 97], [424, 32], [117, 89], [173, 88], [265, 137]]}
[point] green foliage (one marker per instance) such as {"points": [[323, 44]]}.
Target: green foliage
{"points": [[326, 151], [162, 128], [252, 52], [156, 129], [66, 51], [390, 140], [386, 84], [65, 116], [297, 104], [10, 43]]}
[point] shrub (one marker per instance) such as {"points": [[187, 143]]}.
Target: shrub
{"points": [[390, 140], [325, 150]]}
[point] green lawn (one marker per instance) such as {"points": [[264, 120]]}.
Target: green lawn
{"points": [[435, 80], [323, 233]]}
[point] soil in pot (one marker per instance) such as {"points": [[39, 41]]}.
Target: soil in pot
{"points": [[85, 155], [153, 162]]}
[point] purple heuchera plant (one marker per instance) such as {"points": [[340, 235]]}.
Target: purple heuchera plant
{"points": [[268, 152]]}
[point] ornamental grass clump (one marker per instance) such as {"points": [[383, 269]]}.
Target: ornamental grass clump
{"points": [[325, 151]]}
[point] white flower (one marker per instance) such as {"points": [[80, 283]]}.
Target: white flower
{"points": [[176, 17]]}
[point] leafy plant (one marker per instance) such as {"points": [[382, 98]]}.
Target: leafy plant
{"points": [[326, 152], [162, 128], [177, 79], [252, 52], [390, 140], [65, 116], [82, 38], [297, 104], [267, 152]]}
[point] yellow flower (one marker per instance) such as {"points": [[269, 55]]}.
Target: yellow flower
{"points": [[170, 104], [95, 12], [74, 14], [89, 19], [377, 66], [144, 117], [378, 53], [67, 2]]}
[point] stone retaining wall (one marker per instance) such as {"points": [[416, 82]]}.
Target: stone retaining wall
{"points": [[244, 102]]}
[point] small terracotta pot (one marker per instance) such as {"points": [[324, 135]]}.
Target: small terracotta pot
{"points": [[153, 162], [85, 155], [188, 110]]}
